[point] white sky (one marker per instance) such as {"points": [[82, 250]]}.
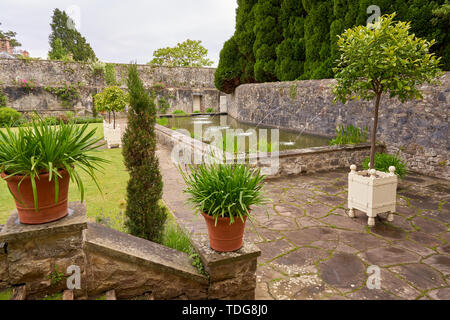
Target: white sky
{"points": [[124, 31]]}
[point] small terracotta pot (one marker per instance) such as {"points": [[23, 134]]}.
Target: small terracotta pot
{"points": [[48, 210], [225, 237]]}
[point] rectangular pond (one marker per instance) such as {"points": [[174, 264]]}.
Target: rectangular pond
{"points": [[288, 140]]}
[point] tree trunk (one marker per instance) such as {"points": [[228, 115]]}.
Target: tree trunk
{"points": [[114, 117], [373, 138], [109, 117]]}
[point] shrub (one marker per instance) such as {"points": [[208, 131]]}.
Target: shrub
{"points": [[69, 114], [146, 218], [197, 111], [210, 110], [51, 120], [349, 135], [163, 105], [383, 161], [110, 75], [224, 190], [180, 112], [8, 116], [162, 121], [3, 99], [97, 67]]}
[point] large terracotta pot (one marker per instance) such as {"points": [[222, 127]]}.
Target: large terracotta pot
{"points": [[225, 237], [48, 210]]}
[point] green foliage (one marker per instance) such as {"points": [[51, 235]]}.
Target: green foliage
{"points": [[383, 161], [6, 294], [176, 238], [40, 148], [197, 111], [67, 94], [349, 135], [224, 190], [146, 218], [8, 116], [163, 105], [70, 40], [110, 75], [303, 36], [293, 91], [189, 53], [179, 112], [111, 99], [11, 35], [229, 71], [3, 99], [210, 110], [56, 277], [162, 121], [97, 67]]}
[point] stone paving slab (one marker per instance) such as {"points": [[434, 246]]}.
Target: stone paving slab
{"points": [[311, 249]]}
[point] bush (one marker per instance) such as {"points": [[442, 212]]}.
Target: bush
{"points": [[8, 116], [3, 99], [349, 135], [146, 218], [383, 161], [162, 121], [180, 112], [210, 110]]}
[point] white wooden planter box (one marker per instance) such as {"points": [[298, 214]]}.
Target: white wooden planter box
{"points": [[111, 135], [372, 192]]}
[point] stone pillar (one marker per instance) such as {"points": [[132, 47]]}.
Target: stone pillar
{"points": [[39, 255], [232, 275]]}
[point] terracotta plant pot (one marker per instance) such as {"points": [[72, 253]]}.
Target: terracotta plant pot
{"points": [[48, 210], [225, 237]]}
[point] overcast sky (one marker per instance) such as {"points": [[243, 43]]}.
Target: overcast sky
{"points": [[122, 31]]}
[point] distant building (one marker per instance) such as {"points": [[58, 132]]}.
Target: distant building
{"points": [[7, 51]]}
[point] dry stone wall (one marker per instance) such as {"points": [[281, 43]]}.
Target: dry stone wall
{"points": [[179, 85], [416, 130]]}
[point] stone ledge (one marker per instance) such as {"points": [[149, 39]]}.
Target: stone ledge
{"points": [[140, 251], [212, 258], [75, 221]]}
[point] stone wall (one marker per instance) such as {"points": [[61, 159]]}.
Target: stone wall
{"points": [[180, 84], [38, 256], [417, 130]]}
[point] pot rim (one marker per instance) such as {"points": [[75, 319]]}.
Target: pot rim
{"points": [[207, 216], [20, 177]]}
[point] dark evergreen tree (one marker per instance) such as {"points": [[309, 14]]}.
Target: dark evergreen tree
{"points": [[291, 51], [229, 71], [268, 35], [146, 218], [72, 41], [245, 37]]}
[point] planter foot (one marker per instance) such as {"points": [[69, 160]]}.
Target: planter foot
{"points": [[390, 217], [351, 213], [371, 221]]}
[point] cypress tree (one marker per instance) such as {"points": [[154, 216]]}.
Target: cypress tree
{"points": [[291, 51], [229, 71], [268, 35], [145, 216], [72, 40]]}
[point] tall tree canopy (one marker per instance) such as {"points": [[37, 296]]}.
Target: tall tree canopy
{"points": [[70, 40], [189, 53], [282, 40]]}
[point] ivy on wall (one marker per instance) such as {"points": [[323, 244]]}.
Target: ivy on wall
{"points": [[67, 94]]}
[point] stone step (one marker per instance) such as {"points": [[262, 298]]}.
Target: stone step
{"points": [[111, 295], [19, 293], [67, 295]]}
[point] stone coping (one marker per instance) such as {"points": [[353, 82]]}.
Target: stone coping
{"points": [[212, 258], [171, 115], [76, 220], [140, 251]]}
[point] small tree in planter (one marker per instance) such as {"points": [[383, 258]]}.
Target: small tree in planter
{"points": [[224, 194], [111, 99], [380, 58]]}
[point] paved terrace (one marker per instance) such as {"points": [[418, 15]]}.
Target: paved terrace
{"points": [[312, 250]]}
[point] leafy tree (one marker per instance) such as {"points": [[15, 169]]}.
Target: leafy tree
{"points": [[267, 37], [72, 40], [146, 217], [11, 35], [111, 99], [189, 53], [383, 58], [58, 52]]}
